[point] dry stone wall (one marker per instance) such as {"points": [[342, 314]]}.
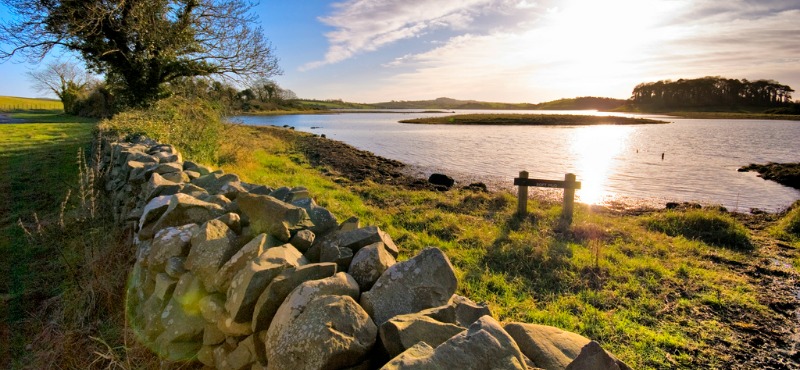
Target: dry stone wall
{"points": [[245, 276]]}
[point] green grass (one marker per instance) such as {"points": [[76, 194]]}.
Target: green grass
{"points": [[12, 103], [530, 119], [711, 227], [655, 298], [37, 163]]}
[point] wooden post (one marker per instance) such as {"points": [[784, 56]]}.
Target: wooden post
{"points": [[569, 197], [522, 204]]}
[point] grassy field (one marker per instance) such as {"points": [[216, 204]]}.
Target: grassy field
{"points": [[12, 103], [530, 119], [63, 270], [649, 287], [694, 288]]}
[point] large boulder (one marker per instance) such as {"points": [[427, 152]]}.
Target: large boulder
{"points": [[212, 246], [297, 301], [250, 282], [424, 281], [333, 332], [594, 357], [280, 287], [170, 242], [182, 209], [404, 331], [485, 345], [548, 347], [240, 259], [324, 221], [271, 216], [459, 310], [369, 264]]}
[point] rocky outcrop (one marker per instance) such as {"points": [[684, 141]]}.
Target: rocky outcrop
{"points": [[245, 276]]}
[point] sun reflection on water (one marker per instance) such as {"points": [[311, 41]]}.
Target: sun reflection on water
{"points": [[595, 149]]}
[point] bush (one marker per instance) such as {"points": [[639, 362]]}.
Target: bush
{"points": [[192, 125], [710, 227]]}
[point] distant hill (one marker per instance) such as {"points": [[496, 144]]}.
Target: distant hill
{"points": [[580, 103]]}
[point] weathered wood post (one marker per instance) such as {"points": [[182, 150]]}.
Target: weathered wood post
{"points": [[522, 203], [569, 197]]}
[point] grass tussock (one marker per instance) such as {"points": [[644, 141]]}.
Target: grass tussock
{"points": [[788, 228], [194, 126], [709, 226]]}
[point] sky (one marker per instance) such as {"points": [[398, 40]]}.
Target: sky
{"points": [[512, 50]]}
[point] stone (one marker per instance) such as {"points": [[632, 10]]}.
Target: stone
{"points": [[404, 331], [280, 287], [296, 302], [241, 357], [182, 209], [176, 177], [359, 238], [170, 242], [248, 284], [441, 180], [261, 190], [181, 324], [211, 247], [174, 267], [298, 193], [152, 211], [484, 345], [459, 310], [206, 355], [594, 357], [212, 307], [424, 281], [416, 357], [302, 240], [271, 216], [212, 335], [350, 224], [216, 183], [548, 347], [165, 285], [194, 191], [324, 221], [232, 328], [188, 292], [191, 175], [159, 186], [339, 255], [369, 264], [281, 194], [219, 200], [332, 333], [239, 260], [233, 221]]}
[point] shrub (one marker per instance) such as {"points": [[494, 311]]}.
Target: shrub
{"points": [[710, 227], [192, 125]]}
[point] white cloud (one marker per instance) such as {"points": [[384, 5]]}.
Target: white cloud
{"points": [[367, 25], [605, 49]]}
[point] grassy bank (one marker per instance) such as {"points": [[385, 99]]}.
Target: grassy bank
{"points": [[530, 119], [669, 289], [661, 290], [17, 104]]}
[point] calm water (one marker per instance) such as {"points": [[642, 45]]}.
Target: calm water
{"points": [[614, 163]]}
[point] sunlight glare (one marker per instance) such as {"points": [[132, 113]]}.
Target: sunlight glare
{"points": [[595, 149]]}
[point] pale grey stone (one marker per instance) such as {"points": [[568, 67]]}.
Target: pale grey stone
{"points": [[424, 281], [369, 264]]}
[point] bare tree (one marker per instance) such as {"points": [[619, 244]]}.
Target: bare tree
{"points": [[143, 44], [65, 79]]}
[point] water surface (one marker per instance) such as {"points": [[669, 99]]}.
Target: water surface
{"points": [[614, 163]]}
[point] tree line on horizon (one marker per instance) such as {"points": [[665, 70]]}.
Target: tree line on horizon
{"points": [[711, 91]]}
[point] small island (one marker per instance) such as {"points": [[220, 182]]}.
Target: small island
{"points": [[531, 120]]}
